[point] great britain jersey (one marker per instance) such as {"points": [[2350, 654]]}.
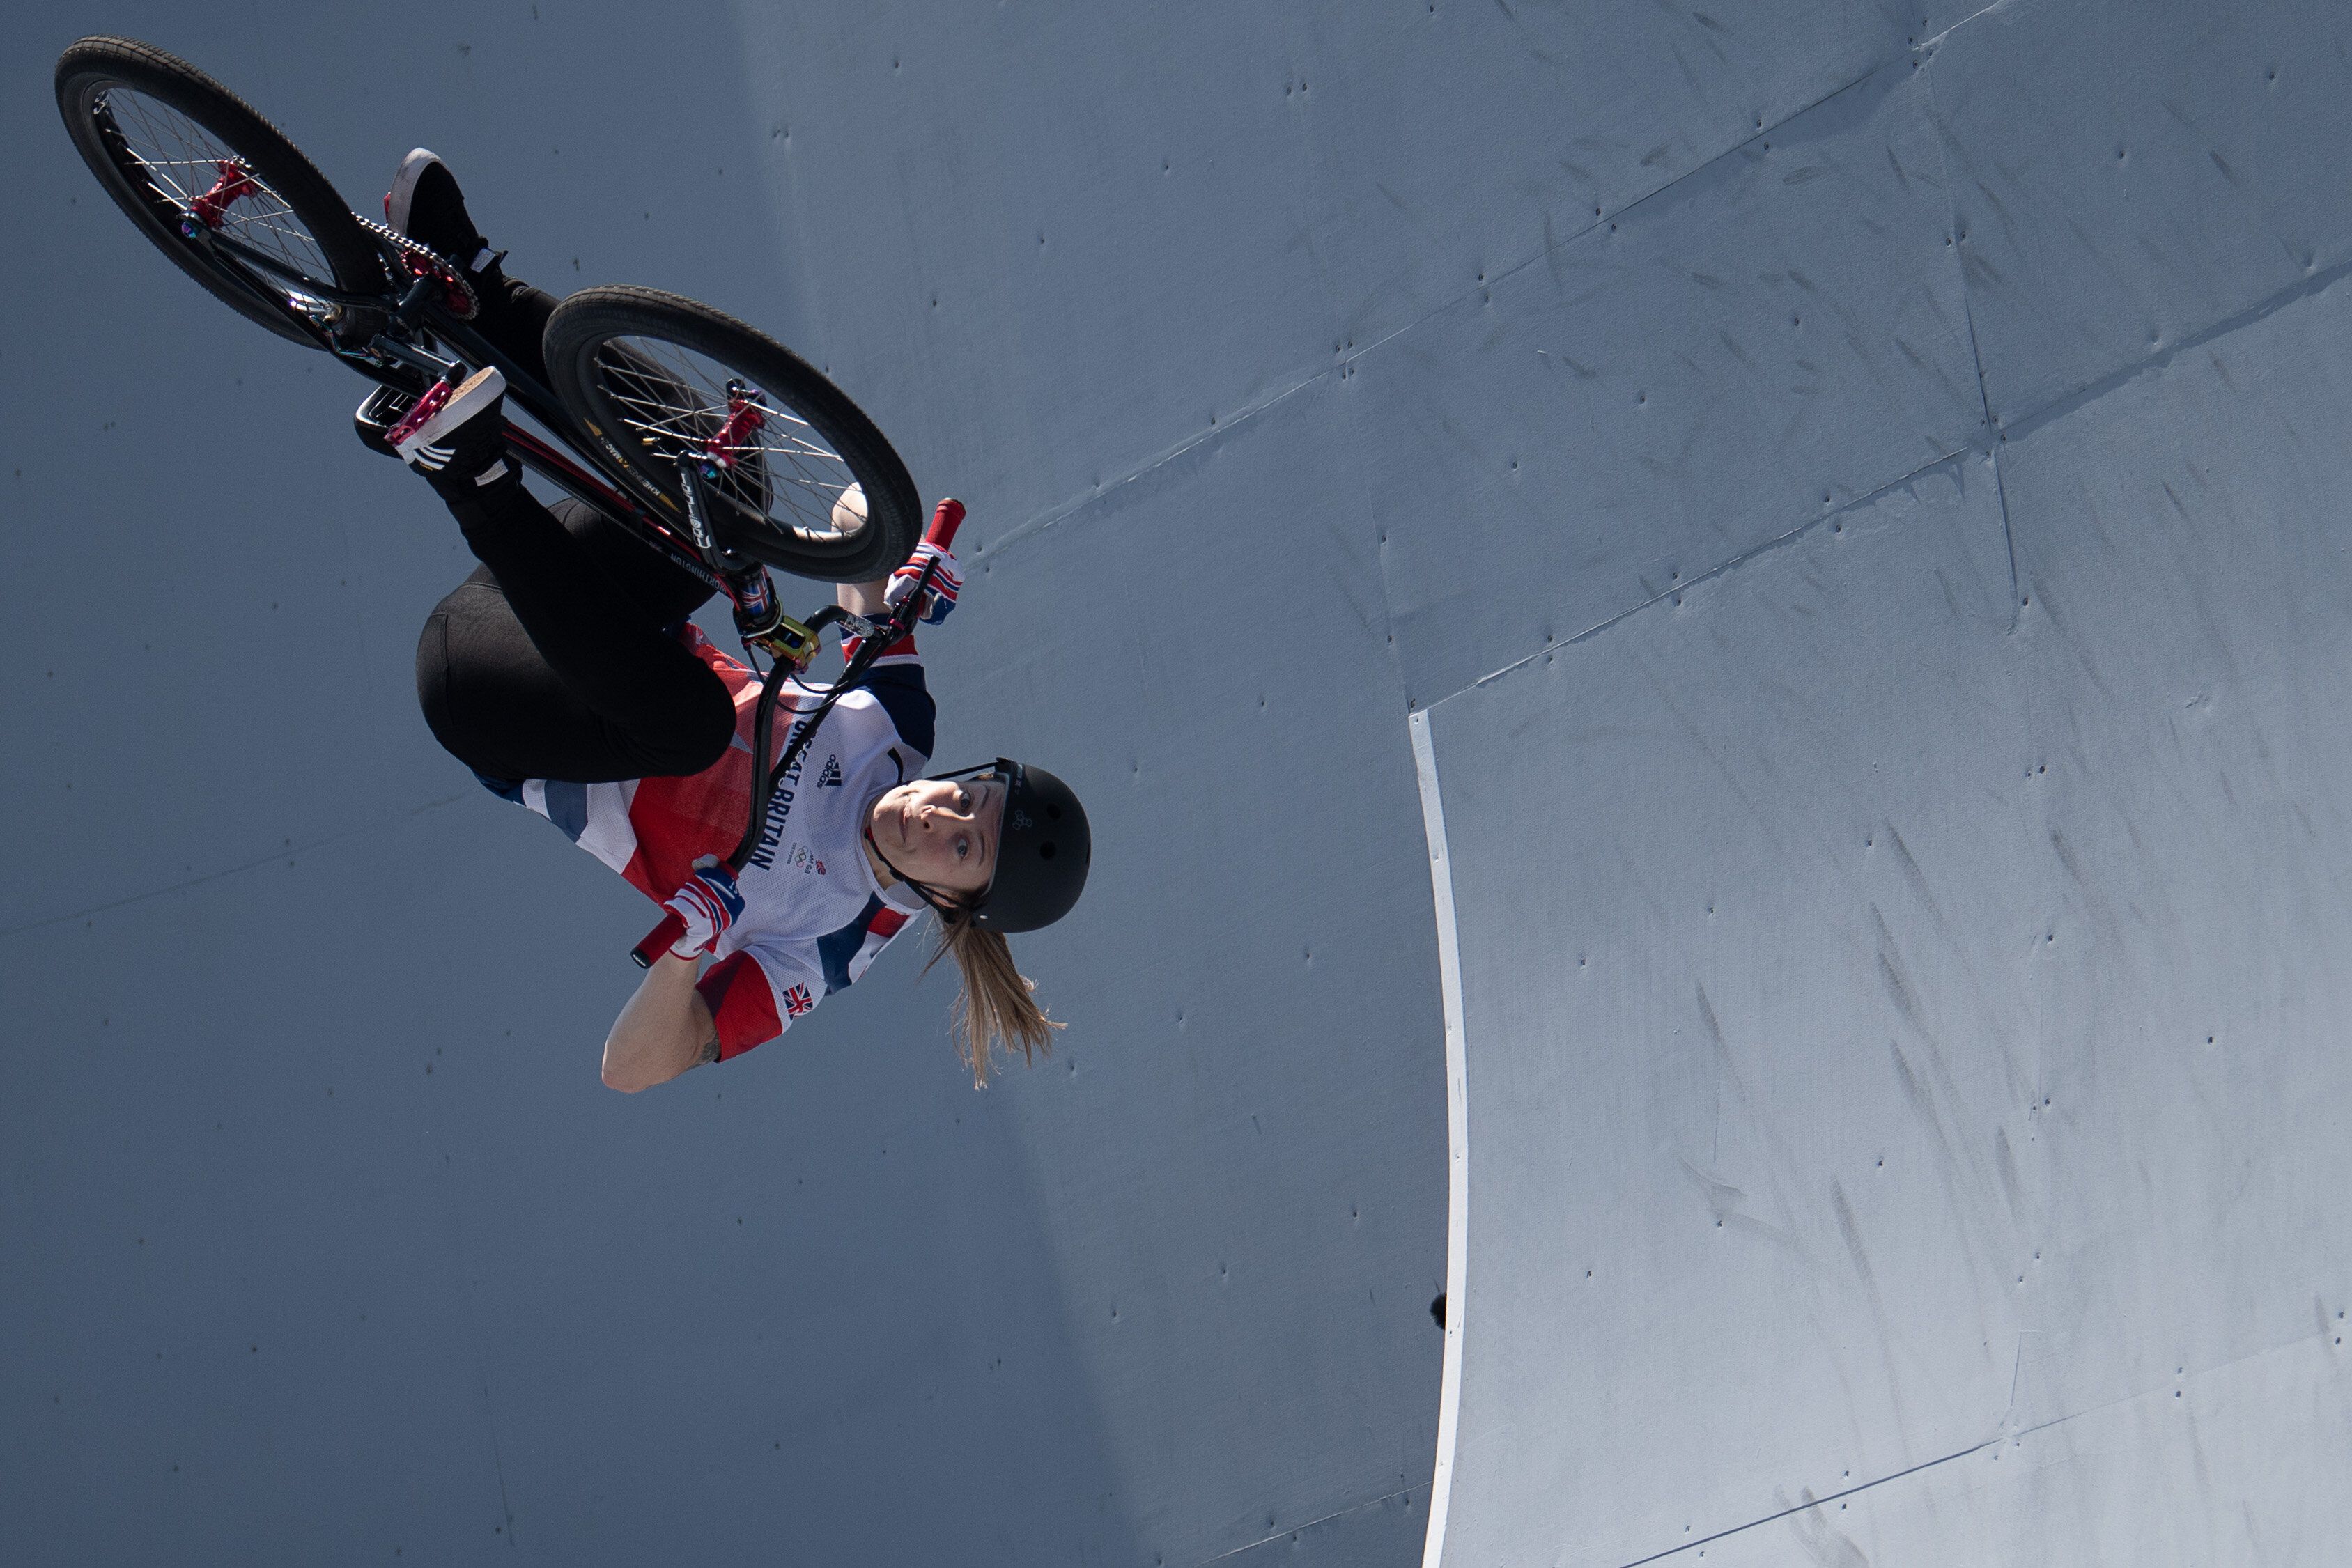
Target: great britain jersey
{"points": [[814, 915]]}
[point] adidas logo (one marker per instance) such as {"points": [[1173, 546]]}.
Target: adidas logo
{"points": [[433, 459], [830, 773]]}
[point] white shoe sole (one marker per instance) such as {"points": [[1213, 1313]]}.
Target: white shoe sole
{"points": [[471, 396], [400, 202], [403, 194]]}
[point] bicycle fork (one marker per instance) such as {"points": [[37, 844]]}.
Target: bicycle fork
{"points": [[759, 618]]}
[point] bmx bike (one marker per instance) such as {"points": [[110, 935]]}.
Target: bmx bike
{"points": [[704, 438]]}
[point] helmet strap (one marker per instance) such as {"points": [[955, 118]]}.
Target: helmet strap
{"points": [[941, 905]]}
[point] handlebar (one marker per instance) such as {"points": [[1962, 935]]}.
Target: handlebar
{"points": [[945, 521], [944, 524], [656, 941]]}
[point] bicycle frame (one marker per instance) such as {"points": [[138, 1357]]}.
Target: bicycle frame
{"points": [[394, 359]]}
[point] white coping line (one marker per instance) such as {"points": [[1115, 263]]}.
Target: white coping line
{"points": [[1457, 1135]]}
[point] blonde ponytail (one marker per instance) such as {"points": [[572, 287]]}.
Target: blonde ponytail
{"points": [[996, 1005]]}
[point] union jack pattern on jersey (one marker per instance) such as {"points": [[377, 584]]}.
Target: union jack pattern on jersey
{"points": [[813, 915]]}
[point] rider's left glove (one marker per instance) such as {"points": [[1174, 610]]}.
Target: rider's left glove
{"points": [[940, 598], [709, 902]]}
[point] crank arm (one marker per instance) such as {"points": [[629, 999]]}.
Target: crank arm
{"points": [[433, 367]]}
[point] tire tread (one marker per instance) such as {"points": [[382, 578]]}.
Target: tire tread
{"points": [[357, 264], [593, 316]]}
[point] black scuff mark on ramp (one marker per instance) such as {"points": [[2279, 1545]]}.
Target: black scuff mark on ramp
{"points": [[1903, 856], [1828, 1546], [1783, 1235], [1852, 1233], [1965, 258], [2012, 1186]]}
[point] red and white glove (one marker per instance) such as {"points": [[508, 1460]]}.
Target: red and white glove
{"points": [[940, 598], [709, 902]]}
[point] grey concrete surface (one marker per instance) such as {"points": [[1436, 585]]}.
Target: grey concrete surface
{"points": [[1809, 537], [1897, 879], [325, 1243]]}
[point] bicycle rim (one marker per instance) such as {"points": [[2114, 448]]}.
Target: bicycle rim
{"points": [[654, 378], [195, 178], [761, 458]]}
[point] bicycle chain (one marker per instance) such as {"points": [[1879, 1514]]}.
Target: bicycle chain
{"points": [[463, 302]]}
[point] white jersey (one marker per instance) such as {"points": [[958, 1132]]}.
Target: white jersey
{"points": [[813, 913]]}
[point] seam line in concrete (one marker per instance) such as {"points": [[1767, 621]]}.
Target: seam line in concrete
{"points": [[289, 851], [2282, 1347], [1341, 1513], [1813, 1503], [2015, 1438], [1776, 542], [1065, 510], [2303, 288], [1930, 45], [2294, 292]]}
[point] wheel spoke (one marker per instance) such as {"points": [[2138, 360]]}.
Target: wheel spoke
{"points": [[676, 400], [180, 161]]}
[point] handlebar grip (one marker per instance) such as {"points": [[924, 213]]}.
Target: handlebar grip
{"points": [[944, 523], [659, 939]]}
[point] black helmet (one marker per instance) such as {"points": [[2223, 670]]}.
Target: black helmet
{"points": [[1043, 850]]}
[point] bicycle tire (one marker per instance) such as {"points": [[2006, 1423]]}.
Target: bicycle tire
{"points": [[90, 76], [615, 353]]}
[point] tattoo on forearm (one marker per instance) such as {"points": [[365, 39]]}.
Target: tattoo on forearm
{"points": [[709, 1051]]}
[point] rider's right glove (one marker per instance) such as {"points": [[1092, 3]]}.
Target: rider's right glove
{"points": [[709, 902], [940, 598]]}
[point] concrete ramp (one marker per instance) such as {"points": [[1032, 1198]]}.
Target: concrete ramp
{"points": [[1899, 907], [1810, 536]]}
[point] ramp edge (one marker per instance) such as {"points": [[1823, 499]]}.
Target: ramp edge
{"points": [[1457, 1134]]}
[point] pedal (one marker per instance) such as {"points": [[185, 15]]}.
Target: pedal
{"points": [[383, 409]]}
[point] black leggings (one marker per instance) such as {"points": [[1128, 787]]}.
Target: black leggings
{"points": [[559, 657]]}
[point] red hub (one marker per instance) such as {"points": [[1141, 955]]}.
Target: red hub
{"points": [[232, 187], [744, 418]]}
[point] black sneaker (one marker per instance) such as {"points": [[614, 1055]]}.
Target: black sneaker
{"points": [[425, 204], [456, 436]]}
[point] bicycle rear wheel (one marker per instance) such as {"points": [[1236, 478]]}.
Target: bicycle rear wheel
{"points": [[653, 377], [193, 165]]}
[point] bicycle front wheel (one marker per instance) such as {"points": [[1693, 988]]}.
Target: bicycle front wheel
{"points": [[799, 478], [219, 189]]}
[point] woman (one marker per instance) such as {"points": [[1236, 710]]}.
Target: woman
{"points": [[565, 674]]}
